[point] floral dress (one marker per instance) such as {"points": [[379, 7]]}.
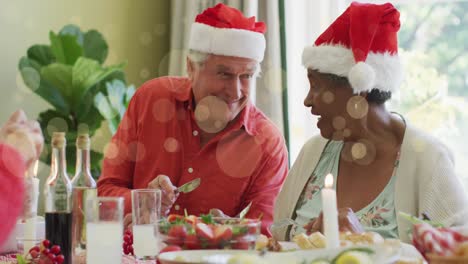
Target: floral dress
{"points": [[378, 216]]}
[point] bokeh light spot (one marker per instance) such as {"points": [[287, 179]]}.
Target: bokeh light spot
{"points": [[111, 151], [83, 128], [57, 124], [328, 97], [339, 122], [171, 145], [346, 132], [144, 73], [357, 107], [136, 151], [218, 116], [358, 150], [164, 110], [238, 155], [146, 38], [202, 113]]}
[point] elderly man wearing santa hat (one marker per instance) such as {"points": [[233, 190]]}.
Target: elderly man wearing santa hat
{"points": [[380, 164], [178, 129]]}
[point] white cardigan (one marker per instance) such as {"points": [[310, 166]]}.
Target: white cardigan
{"points": [[426, 182]]}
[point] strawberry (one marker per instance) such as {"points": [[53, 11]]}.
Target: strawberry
{"points": [[192, 242], [174, 217], [176, 235], [241, 244], [204, 231], [222, 233], [170, 248]]}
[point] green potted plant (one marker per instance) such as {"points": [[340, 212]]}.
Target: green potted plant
{"points": [[69, 74]]}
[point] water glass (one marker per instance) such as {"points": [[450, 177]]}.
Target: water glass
{"points": [[104, 229], [146, 206]]}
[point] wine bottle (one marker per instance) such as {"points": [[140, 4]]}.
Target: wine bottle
{"points": [[57, 192], [84, 188]]}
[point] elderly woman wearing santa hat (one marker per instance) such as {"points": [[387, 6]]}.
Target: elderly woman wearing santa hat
{"points": [[380, 163], [21, 143]]}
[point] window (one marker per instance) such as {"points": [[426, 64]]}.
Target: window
{"points": [[433, 43]]}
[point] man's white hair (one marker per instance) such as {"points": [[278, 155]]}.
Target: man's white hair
{"points": [[198, 58]]}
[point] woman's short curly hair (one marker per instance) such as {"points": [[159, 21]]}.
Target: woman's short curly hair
{"points": [[375, 96]]}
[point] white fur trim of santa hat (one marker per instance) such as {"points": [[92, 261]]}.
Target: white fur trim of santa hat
{"points": [[382, 71], [227, 41]]}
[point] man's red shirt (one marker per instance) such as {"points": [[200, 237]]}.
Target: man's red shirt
{"points": [[246, 162]]}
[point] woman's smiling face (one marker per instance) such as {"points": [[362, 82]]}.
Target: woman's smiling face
{"points": [[331, 98]]}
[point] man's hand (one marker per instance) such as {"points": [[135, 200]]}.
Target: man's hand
{"points": [[24, 135], [347, 221], [168, 194]]}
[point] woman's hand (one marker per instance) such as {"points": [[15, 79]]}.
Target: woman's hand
{"points": [[347, 222]]}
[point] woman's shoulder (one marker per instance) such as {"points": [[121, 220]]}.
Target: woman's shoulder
{"points": [[420, 143]]}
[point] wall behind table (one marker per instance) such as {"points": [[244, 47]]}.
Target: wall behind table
{"points": [[136, 32]]}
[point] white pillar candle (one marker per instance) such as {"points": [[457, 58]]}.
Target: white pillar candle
{"points": [[330, 214]]}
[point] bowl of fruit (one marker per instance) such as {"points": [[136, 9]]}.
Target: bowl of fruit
{"points": [[208, 232]]}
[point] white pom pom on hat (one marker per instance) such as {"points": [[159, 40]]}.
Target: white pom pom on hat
{"points": [[361, 77]]}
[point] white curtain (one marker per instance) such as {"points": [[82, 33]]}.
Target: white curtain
{"points": [[305, 21], [267, 94], [183, 13]]}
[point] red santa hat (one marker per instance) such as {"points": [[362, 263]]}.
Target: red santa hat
{"points": [[361, 45], [223, 30]]}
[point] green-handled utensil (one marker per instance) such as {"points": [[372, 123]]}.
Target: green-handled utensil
{"points": [[189, 186]]}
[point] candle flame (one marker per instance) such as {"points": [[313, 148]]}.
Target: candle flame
{"points": [[36, 167], [329, 181]]}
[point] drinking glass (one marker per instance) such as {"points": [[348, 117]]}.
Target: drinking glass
{"points": [[146, 206], [104, 228]]}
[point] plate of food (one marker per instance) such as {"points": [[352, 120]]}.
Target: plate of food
{"points": [[353, 255]]}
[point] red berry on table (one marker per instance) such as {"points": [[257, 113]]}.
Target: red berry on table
{"points": [[125, 248], [35, 248], [46, 243], [55, 249], [34, 253], [127, 238], [60, 259], [51, 256], [45, 251]]}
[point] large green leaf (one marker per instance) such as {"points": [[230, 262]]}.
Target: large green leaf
{"points": [[60, 76], [116, 94], [88, 73], [73, 30], [112, 107], [45, 90], [92, 119], [95, 47], [41, 54], [65, 48], [104, 106], [87, 103]]}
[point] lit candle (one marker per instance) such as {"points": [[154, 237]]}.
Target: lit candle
{"points": [[330, 214], [31, 208]]}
